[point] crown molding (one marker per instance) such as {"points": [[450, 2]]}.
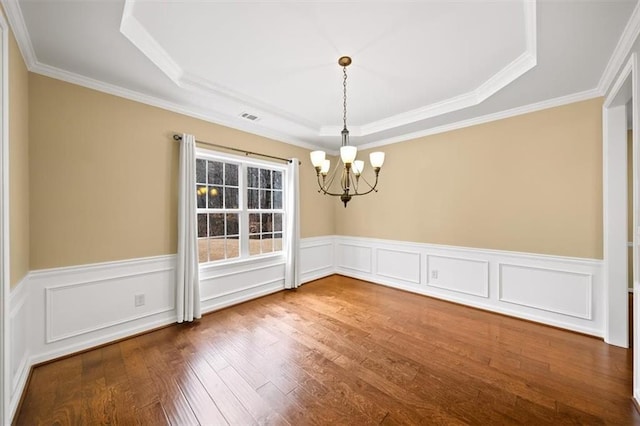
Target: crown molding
{"points": [[19, 28], [621, 51], [132, 95], [538, 106]]}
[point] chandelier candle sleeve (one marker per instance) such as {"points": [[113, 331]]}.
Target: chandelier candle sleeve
{"points": [[349, 175]]}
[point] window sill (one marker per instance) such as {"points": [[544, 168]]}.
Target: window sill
{"points": [[262, 260]]}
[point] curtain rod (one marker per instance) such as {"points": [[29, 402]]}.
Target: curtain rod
{"points": [[178, 137]]}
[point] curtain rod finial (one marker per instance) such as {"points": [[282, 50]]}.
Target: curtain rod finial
{"points": [[177, 137]]}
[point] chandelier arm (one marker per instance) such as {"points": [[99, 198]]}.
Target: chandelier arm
{"points": [[333, 175], [324, 190], [367, 182], [373, 188]]}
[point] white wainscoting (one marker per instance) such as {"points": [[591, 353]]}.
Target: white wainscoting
{"points": [[19, 345], [560, 291], [59, 311]]}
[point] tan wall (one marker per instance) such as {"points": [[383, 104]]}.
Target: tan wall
{"points": [[531, 183], [104, 170], [18, 164]]}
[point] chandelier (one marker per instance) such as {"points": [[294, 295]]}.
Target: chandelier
{"points": [[351, 170]]}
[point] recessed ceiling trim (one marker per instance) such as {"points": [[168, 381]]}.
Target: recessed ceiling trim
{"points": [[19, 28], [523, 63], [132, 29], [137, 34]]}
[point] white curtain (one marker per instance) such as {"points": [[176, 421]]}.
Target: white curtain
{"points": [[188, 280], [292, 231]]}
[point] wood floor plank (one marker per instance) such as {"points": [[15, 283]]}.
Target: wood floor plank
{"points": [[340, 351]]}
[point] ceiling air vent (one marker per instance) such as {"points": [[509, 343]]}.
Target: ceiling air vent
{"points": [[249, 117]]}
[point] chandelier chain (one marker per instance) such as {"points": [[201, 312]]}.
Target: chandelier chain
{"points": [[344, 96]]}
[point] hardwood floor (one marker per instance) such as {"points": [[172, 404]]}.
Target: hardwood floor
{"points": [[340, 351]]}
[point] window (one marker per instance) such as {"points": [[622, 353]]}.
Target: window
{"points": [[239, 207]]}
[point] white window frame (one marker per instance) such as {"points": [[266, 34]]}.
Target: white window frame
{"points": [[243, 211]]}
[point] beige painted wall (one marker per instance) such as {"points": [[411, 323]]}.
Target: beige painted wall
{"points": [[18, 164], [531, 183], [103, 173]]}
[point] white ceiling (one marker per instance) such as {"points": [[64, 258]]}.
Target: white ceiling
{"points": [[418, 66]]}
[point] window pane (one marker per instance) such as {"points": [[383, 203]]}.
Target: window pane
{"points": [[267, 222], [277, 222], [215, 197], [252, 201], [203, 250], [252, 177], [232, 224], [202, 225], [201, 171], [265, 178], [231, 198], [216, 225], [277, 242], [231, 174], [216, 248], [265, 199], [233, 247], [254, 244], [267, 243], [254, 223], [201, 194], [277, 199], [277, 180], [215, 172]]}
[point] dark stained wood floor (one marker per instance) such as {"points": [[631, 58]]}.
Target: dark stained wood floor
{"points": [[340, 351]]}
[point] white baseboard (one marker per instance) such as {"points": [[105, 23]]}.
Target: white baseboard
{"points": [[560, 291]]}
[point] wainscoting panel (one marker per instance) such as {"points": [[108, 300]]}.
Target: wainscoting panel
{"points": [[83, 306], [354, 257], [225, 285], [563, 292], [466, 276], [398, 264], [316, 258]]}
